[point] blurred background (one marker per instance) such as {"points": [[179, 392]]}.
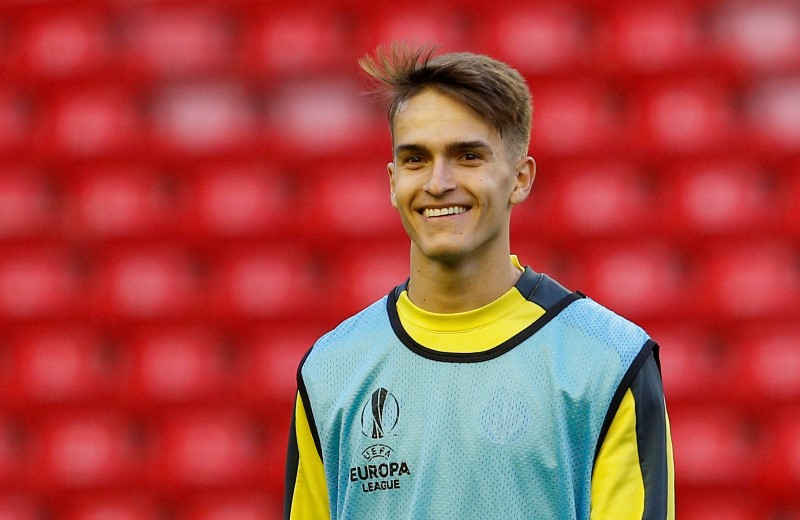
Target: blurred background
{"points": [[192, 191]]}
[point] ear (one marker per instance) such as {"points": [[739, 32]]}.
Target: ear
{"points": [[390, 169], [525, 173]]}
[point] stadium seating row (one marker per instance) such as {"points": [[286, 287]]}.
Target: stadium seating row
{"points": [[179, 450], [47, 365], [701, 364], [736, 279], [149, 365], [137, 505], [178, 39], [254, 199], [685, 115], [719, 505]]}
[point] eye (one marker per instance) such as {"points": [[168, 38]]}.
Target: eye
{"points": [[471, 157], [413, 161]]}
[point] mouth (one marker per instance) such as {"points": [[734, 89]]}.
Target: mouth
{"points": [[443, 212]]}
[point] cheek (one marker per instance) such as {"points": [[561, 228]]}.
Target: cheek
{"points": [[400, 198]]}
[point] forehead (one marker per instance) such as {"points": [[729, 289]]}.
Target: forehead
{"points": [[435, 117]]}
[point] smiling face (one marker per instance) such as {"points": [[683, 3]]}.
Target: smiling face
{"points": [[454, 181]]}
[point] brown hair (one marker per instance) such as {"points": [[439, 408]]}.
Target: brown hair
{"points": [[493, 89]]}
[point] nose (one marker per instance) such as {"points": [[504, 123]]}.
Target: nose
{"points": [[441, 179]]}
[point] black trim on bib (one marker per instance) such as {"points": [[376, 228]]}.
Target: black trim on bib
{"points": [[535, 287], [651, 435], [301, 389], [546, 292], [649, 347]]}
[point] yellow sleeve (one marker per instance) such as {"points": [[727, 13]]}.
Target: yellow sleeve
{"points": [[633, 475], [306, 495]]}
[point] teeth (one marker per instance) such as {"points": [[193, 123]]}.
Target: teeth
{"points": [[440, 212]]}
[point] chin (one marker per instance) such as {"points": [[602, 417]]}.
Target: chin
{"points": [[444, 253]]}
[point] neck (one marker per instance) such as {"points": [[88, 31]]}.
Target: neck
{"points": [[449, 287]]}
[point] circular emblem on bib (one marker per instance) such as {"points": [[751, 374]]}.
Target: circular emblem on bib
{"points": [[505, 418], [380, 414]]}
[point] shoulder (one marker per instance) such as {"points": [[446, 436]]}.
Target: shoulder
{"points": [[350, 335], [597, 321], [575, 309], [598, 335]]}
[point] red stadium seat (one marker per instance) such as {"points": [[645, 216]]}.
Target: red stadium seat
{"points": [[431, 22], [561, 264], [298, 40], [91, 121], [27, 203], [714, 445], [781, 468], [574, 118], [212, 448], [773, 112], [769, 363], [16, 121], [178, 364], [732, 505], [38, 282], [591, 199], [202, 118], [177, 40], [146, 282], [14, 453], [682, 117], [277, 281], [19, 507], [789, 216], [321, 116], [122, 200], [760, 35], [721, 197], [271, 357], [109, 505], [274, 465], [55, 365], [639, 280], [231, 506], [537, 38], [697, 367], [750, 280], [655, 38], [62, 44], [240, 200], [88, 449], [362, 278], [355, 201], [536, 216]]}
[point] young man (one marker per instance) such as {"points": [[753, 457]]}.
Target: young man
{"points": [[479, 388]]}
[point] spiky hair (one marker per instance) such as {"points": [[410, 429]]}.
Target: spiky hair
{"points": [[493, 89]]}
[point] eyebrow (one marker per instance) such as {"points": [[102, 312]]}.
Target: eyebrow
{"points": [[451, 147], [412, 148]]}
